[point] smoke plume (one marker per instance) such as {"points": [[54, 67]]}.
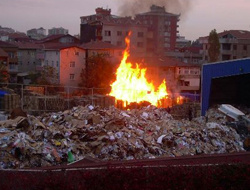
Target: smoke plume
{"points": [[132, 7]]}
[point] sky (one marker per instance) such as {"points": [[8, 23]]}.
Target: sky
{"points": [[198, 17]]}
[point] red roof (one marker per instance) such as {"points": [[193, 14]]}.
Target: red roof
{"points": [[28, 45], [55, 37], [58, 46], [239, 34], [7, 45]]}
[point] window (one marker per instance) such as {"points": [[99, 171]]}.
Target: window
{"points": [[119, 33], [235, 47], [34, 63], [57, 63], [245, 47], [52, 63], [119, 43], [76, 53], [140, 34], [107, 33], [28, 63], [11, 54], [71, 76], [108, 42], [72, 64], [140, 44], [186, 71], [47, 62]]}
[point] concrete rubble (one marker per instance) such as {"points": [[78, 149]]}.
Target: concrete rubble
{"points": [[111, 134]]}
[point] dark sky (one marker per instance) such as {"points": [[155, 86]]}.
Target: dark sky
{"points": [[198, 17]]}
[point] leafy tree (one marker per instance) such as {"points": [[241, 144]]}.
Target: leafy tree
{"points": [[98, 73], [4, 75], [48, 76], [214, 46]]}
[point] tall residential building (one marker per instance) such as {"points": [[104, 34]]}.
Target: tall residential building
{"points": [[234, 44], [55, 31], [36, 33], [103, 26], [153, 33], [163, 25]]}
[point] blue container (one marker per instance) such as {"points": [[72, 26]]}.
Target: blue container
{"points": [[217, 70]]}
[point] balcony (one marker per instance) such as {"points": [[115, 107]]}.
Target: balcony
{"points": [[228, 41], [228, 52]]}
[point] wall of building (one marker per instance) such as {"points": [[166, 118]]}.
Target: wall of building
{"points": [[27, 61], [72, 61], [229, 49]]}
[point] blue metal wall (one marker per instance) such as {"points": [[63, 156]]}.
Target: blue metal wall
{"points": [[220, 69]]}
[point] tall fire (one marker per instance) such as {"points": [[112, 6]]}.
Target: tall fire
{"points": [[132, 86]]}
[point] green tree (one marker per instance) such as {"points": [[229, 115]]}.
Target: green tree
{"points": [[48, 76], [214, 46], [98, 73], [4, 75]]}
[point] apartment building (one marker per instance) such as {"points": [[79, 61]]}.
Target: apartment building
{"points": [[163, 25], [105, 27], [153, 32], [67, 61], [111, 52], [234, 44], [28, 60], [37, 34], [55, 31]]}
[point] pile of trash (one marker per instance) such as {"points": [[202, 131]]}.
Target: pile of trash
{"points": [[110, 134]]}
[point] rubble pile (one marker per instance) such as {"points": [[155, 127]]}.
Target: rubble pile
{"points": [[109, 134]]}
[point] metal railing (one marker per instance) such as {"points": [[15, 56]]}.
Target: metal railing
{"points": [[44, 98], [36, 99]]}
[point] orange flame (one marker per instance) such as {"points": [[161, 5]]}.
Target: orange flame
{"points": [[131, 84]]}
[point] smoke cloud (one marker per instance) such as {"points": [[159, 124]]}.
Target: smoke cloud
{"points": [[132, 7]]}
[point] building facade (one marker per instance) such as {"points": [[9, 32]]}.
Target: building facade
{"points": [[36, 33], [105, 27], [234, 44], [163, 25], [55, 31], [153, 33]]}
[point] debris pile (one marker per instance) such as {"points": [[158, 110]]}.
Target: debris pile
{"points": [[109, 134]]}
